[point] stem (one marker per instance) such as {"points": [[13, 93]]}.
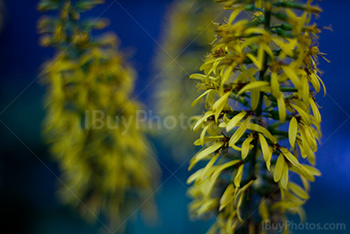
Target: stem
{"points": [[261, 78], [263, 71], [258, 112]]}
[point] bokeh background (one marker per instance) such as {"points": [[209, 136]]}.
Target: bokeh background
{"points": [[27, 174]]}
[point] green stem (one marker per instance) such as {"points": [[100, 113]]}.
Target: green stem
{"points": [[265, 63], [253, 158]]}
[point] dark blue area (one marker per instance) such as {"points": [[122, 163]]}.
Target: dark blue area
{"points": [[27, 186]]}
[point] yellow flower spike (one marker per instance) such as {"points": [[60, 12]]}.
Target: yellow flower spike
{"points": [[101, 164], [272, 86], [188, 22]]}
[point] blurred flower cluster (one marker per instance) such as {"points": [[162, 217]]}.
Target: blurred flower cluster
{"points": [[262, 124], [188, 33], [105, 171]]}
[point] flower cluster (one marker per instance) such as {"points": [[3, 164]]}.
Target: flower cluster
{"points": [[262, 122], [186, 38], [105, 171]]}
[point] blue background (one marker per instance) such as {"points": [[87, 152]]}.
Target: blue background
{"points": [[27, 187]]}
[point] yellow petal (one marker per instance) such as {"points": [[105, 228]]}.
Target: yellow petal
{"points": [[194, 176], [275, 85], [264, 131], [197, 76], [297, 190], [235, 120], [306, 173], [263, 210], [303, 114], [209, 166], [255, 61], [239, 132], [267, 152], [201, 120], [279, 168], [281, 108], [292, 131], [220, 104], [261, 55], [203, 134], [292, 75], [227, 74], [227, 197], [253, 85], [195, 102], [234, 15], [312, 170], [246, 146], [291, 158], [204, 153], [255, 96], [239, 176], [315, 110], [284, 176]]}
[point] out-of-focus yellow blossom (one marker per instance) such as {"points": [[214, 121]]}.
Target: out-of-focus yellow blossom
{"points": [[107, 166], [260, 79], [186, 39]]}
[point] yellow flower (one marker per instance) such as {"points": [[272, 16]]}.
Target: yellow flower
{"points": [[107, 169], [186, 38], [260, 78]]}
